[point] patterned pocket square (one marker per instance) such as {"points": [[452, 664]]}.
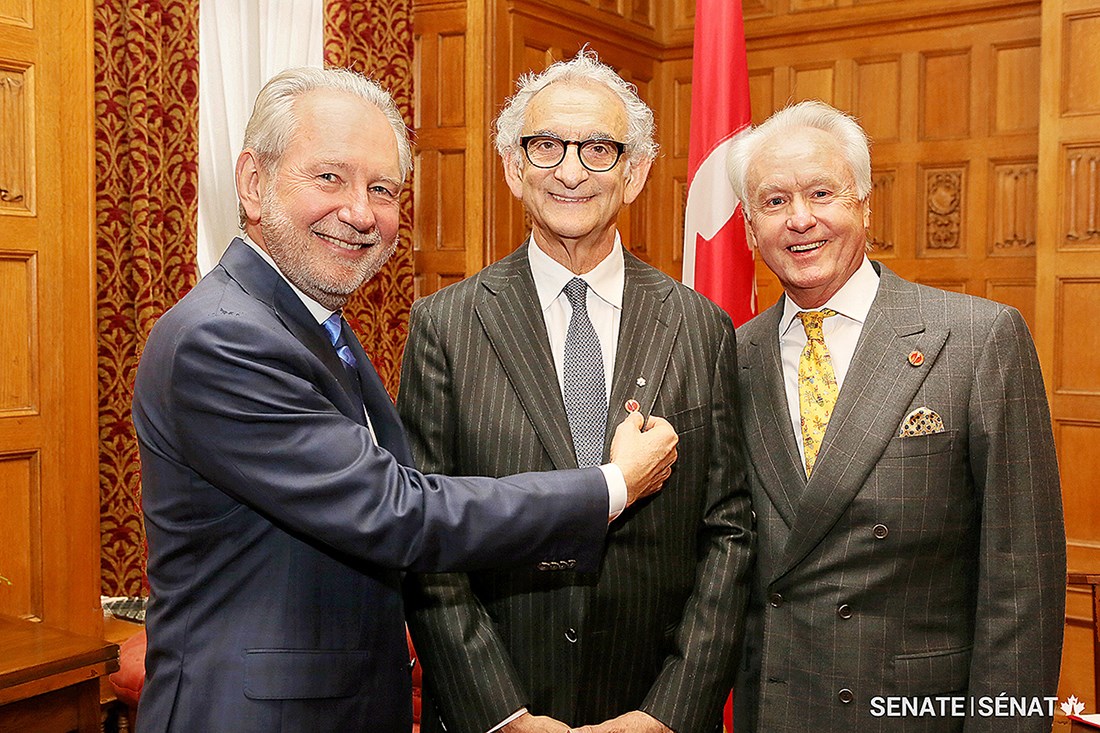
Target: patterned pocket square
{"points": [[921, 421]]}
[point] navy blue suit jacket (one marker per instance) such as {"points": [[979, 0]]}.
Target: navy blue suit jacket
{"points": [[277, 529]]}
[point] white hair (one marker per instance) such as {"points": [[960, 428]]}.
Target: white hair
{"points": [[584, 68], [853, 141], [274, 120]]}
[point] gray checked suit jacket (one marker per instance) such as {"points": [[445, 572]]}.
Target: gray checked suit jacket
{"points": [[658, 627], [931, 565]]}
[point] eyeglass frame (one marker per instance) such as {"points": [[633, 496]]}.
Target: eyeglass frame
{"points": [[525, 140]]}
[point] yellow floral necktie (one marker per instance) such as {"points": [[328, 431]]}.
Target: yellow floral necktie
{"points": [[817, 388]]}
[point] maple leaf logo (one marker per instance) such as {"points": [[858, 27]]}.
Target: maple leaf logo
{"points": [[1073, 706]]}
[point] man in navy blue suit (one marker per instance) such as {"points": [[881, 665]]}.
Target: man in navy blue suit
{"points": [[280, 502]]}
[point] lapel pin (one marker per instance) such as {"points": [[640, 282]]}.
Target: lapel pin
{"points": [[640, 381], [916, 358], [632, 405]]}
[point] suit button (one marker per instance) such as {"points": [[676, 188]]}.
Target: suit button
{"points": [[776, 600], [845, 696], [880, 531], [844, 610], [571, 635], [753, 513]]}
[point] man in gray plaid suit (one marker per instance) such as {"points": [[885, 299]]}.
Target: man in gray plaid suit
{"points": [[911, 561]]}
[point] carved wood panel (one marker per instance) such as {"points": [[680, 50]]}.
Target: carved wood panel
{"points": [[1015, 217], [1081, 204], [16, 139], [944, 208], [884, 213]]}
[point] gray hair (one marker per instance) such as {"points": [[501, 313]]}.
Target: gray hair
{"points": [[584, 68], [274, 121], [853, 141]]}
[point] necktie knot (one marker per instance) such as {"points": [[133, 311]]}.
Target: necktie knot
{"points": [[812, 322], [334, 327], [576, 290]]}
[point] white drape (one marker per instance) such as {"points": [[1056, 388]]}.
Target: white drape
{"points": [[242, 44]]}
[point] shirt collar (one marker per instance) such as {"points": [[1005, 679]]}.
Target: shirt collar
{"points": [[607, 279], [318, 311], [852, 301]]}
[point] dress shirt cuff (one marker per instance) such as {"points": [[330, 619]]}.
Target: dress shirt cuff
{"points": [[509, 719], [616, 490]]}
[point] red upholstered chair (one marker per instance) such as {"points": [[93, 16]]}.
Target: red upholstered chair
{"points": [[130, 677]]}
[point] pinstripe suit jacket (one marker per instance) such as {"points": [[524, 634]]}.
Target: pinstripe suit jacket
{"points": [[927, 565], [658, 627]]}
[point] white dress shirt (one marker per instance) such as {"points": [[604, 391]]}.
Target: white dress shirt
{"points": [[852, 304], [606, 281]]}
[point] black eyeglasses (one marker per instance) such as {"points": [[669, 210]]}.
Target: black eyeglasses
{"points": [[598, 155]]}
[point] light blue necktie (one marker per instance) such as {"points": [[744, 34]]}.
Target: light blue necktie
{"points": [[583, 378], [334, 327]]}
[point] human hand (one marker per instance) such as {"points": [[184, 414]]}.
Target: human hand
{"points": [[633, 722], [528, 723], [645, 458]]}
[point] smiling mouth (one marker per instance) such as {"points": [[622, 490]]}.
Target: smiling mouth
{"points": [[806, 247], [570, 199], [344, 244]]}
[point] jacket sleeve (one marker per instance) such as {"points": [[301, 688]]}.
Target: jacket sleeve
{"points": [[246, 406], [698, 676], [465, 662], [1022, 558]]}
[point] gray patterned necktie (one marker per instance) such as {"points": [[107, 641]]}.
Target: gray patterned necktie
{"points": [[583, 377]]}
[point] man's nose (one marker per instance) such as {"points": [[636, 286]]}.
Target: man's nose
{"points": [[801, 216], [570, 171], [358, 211]]}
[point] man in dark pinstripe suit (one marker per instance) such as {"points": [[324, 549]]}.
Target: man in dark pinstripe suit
{"points": [[648, 642], [911, 564]]}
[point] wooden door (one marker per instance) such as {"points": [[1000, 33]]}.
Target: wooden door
{"points": [[1068, 293], [49, 492]]}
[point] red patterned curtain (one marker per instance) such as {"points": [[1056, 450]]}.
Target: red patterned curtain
{"points": [[376, 38], [146, 94]]}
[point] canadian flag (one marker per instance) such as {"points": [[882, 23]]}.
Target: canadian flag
{"points": [[717, 260]]}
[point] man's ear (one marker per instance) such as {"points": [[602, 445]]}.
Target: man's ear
{"points": [[636, 178], [250, 183], [513, 174]]}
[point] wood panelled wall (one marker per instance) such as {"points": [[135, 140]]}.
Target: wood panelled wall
{"points": [[1068, 292], [49, 492], [985, 117]]}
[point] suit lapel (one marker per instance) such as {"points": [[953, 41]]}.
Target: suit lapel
{"points": [[509, 313], [266, 285], [383, 415], [647, 333], [878, 389], [776, 460]]}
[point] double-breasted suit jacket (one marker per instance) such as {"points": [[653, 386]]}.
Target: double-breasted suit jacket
{"points": [[930, 565], [276, 526], [657, 626]]}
